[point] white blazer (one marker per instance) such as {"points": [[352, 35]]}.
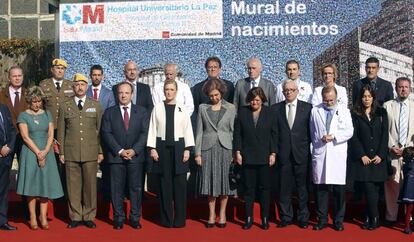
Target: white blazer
{"points": [[329, 159], [183, 95], [341, 99], [182, 125], [393, 111]]}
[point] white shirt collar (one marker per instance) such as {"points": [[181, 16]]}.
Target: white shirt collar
{"points": [[98, 87], [83, 100], [295, 102]]}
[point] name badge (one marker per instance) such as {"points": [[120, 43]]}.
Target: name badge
{"points": [[91, 110]]}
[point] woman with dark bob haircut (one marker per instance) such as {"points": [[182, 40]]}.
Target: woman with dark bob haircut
{"points": [[254, 150], [369, 149], [213, 152]]}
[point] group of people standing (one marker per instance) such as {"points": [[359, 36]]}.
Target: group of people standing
{"points": [[309, 136]]}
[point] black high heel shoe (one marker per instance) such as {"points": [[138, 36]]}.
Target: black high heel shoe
{"points": [[248, 224], [265, 223]]}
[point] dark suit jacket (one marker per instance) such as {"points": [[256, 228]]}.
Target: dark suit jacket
{"points": [[370, 138], [5, 99], [200, 97], [295, 141], [384, 91], [9, 134], [243, 87], [254, 143], [115, 137], [106, 97], [143, 95]]}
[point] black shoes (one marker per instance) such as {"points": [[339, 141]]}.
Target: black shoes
{"points": [[221, 225], [90, 224], [366, 223], [319, 226], [339, 227], [135, 224], [7, 227], [248, 224], [284, 223], [210, 225], [73, 224], [265, 223], [374, 223], [118, 225], [303, 224]]}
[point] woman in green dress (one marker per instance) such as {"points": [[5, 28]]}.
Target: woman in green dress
{"points": [[38, 174]]}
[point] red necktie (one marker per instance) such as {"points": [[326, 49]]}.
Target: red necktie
{"points": [[95, 93], [126, 118]]}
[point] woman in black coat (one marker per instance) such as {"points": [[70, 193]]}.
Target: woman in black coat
{"points": [[369, 151], [255, 152]]}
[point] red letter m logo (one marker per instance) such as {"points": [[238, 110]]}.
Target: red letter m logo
{"points": [[88, 14]]}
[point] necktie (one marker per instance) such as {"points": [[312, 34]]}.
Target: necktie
{"points": [[126, 118], [134, 94], [373, 86], [95, 93], [402, 139], [58, 86], [329, 116], [290, 115], [80, 104], [253, 83], [16, 100]]}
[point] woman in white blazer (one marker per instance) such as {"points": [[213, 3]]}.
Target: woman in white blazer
{"points": [[170, 138], [329, 74]]}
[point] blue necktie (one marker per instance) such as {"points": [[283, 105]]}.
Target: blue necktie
{"points": [[402, 139]]}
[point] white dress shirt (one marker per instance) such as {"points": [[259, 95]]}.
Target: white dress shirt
{"points": [[13, 95], [98, 91], [83, 100]]}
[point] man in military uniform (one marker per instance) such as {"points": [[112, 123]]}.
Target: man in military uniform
{"points": [[56, 88], [78, 134]]}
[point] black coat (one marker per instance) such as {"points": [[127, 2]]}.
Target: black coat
{"points": [[295, 141], [115, 137], [254, 143], [383, 90], [144, 97], [370, 138]]}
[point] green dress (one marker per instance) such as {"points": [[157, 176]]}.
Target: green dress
{"points": [[33, 180]]}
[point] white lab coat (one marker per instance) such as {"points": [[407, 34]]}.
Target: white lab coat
{"points": [[329, 159], [342, 97]]}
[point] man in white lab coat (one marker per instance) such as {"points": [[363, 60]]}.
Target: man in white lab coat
{"points": [[331, 127]]}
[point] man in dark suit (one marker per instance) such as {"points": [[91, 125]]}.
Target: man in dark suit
{"points": [[142, 94], [243, 86], [13, 96], [383, 89], [104, 95], [7, 141], [98, 91], [293, 157], [124, 132], [213, 69]]}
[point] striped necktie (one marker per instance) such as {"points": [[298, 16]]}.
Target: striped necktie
{"points": [[402, 139]]}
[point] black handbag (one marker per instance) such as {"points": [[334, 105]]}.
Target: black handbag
{"points": [[234, 175]]}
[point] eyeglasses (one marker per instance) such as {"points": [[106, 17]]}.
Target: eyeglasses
{"points": [[212, 68], [289, 90]]}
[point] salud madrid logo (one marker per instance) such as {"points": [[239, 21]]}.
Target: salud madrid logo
{"points": [[72, 14]]}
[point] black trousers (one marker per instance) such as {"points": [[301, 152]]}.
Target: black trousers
{"points": [[291, 175], [371, 191], [322, 200], [4, 190], [173, 193], [257, 175], [119, 174]]}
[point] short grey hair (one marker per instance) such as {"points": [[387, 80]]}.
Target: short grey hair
{"points": [[256, 59], [289, 81], [177, 69]]}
